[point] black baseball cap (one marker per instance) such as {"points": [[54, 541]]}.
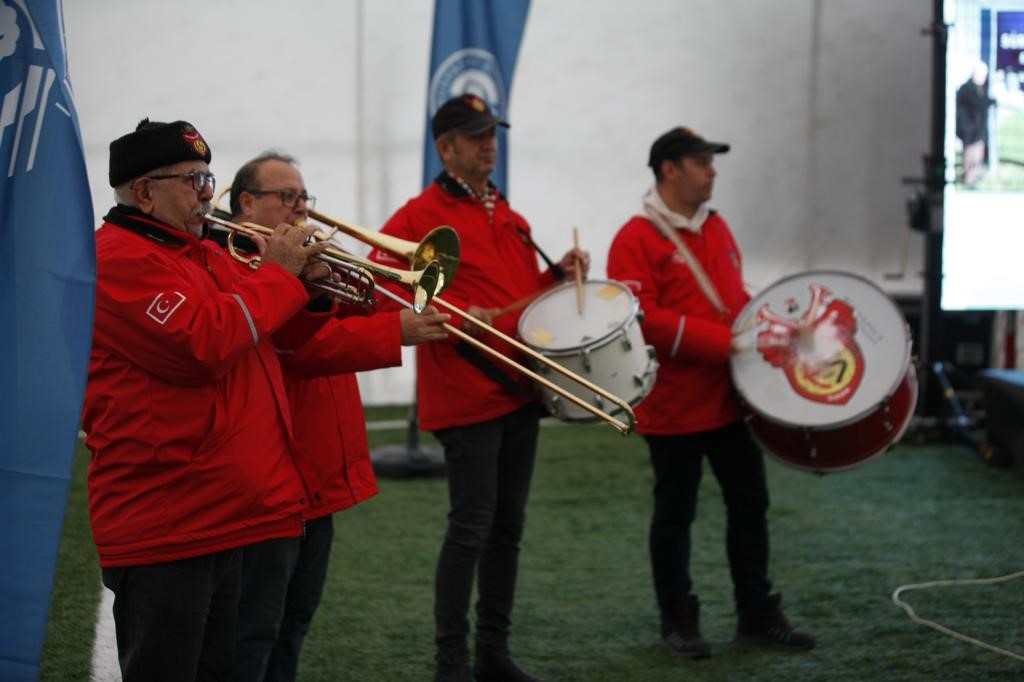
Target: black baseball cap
{"points": [[680, 142], [467, 114]]}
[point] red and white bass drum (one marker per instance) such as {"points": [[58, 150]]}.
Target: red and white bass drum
{"points": [[824, 370]]}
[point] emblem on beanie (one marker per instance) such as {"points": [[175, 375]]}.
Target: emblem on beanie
{"points": [[475, 102], [194, 139], [817, 350]]}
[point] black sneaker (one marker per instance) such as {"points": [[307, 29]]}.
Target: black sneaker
{"points": [[680, 631], [452, 670], [499, 667], [768, 626]]}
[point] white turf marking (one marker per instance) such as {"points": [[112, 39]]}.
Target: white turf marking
{"points": [[104, 643]]}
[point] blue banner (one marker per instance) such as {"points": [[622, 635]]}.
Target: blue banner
{"points": [[47, 278], [474, 51], [1010, 41]]}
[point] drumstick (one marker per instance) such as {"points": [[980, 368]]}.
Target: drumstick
{"points": [[579, 270], [524, 301]]}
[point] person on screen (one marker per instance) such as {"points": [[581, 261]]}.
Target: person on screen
{"points": [[487, 420], [972, 103], [680, 259]]}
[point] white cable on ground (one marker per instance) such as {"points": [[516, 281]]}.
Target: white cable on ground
{"points": [[943, 629]]}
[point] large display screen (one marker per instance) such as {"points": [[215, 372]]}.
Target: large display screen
{"points": [[983, 216]]}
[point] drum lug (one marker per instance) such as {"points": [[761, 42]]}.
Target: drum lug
{"points": [[652, 368], [557, 409], [599, 402], [813, 451], [586, 360], [889, 426], [626, 343]]}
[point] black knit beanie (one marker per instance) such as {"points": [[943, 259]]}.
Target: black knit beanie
{"points": [[155, 145]]}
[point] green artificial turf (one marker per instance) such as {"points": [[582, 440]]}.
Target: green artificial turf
{"points": [[841, 544]]}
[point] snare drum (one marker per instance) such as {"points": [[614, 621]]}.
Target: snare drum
{"points": [[824, 371], [603, 344]]}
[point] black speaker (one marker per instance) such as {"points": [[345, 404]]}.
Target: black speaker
{"points": [[967, 340], [966, 336]]}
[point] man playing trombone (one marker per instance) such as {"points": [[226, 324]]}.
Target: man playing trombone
{"points": [[487, 420], [283, 578], [192, 452]]}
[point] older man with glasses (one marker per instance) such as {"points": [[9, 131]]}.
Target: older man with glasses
{"points": [[192, 451], [283, 578]]}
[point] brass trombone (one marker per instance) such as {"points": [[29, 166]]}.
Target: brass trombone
{"points": [[441, 246], [415, 253], [357, 283]]}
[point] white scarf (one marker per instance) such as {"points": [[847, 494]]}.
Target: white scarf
{"points": [[666, 220], [654, 202]]}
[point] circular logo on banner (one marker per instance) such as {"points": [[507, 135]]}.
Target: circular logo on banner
{"points": [[471, 70]]}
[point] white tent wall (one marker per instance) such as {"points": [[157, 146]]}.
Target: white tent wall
{"points": [[826, 104]]}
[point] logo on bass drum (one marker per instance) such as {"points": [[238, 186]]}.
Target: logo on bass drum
{"points": [[817, 349]]}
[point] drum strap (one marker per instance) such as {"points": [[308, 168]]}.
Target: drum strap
{"points": [[556, 269], [490, 370], [653, 212]]}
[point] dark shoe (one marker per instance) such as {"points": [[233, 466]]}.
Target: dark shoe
{"points": [[680, 631], [499, 667], [768, 626], [449, 670]]}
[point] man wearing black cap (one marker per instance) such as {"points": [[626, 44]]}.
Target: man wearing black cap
{"points": [[680, 259], [486, 419], [185, 409]]}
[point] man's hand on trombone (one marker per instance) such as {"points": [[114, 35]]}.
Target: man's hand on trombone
{"points": [[427, 326], [287, 247]]}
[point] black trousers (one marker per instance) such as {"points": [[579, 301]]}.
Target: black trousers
{"points": [[282, 583], [175, 620], [738, 464], [490, 465]]}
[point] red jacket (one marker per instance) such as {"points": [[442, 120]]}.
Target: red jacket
{"points": [[327, 410], [693, 390], [497, 266], [185, 409]]}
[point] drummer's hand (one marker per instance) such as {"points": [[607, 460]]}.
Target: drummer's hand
{"points": [[569, 260], [485, 315]]}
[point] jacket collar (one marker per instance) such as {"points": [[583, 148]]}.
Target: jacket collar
{"points": [[653, 203], [452, 187], [131, 218]]}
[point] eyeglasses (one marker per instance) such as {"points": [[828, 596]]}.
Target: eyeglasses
{"points": [[289, 197], [199, 179]]}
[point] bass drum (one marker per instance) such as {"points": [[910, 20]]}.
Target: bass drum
{"points": [[603, 344], [824, 370]]}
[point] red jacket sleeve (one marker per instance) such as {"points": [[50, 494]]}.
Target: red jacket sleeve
{"points": [[173, 321], [637, 261], [348, 344]]}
